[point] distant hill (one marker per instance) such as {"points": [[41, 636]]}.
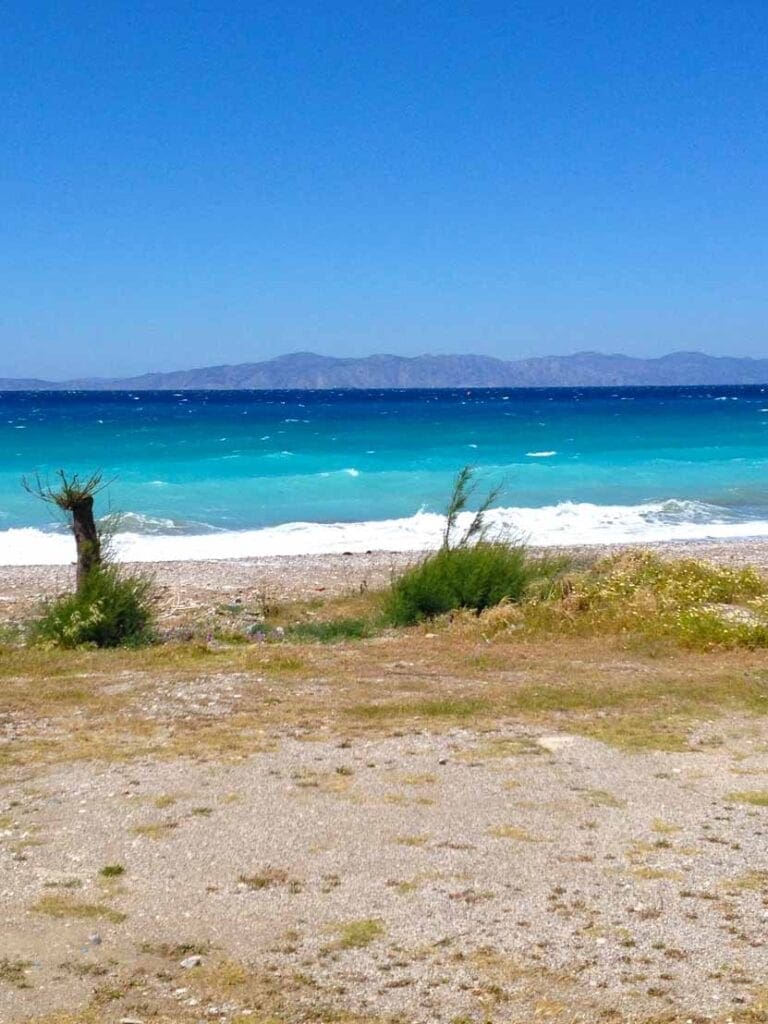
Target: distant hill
{"points": [[304, 370]]}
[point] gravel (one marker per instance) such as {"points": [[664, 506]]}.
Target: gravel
{"points": [[505, 866]]}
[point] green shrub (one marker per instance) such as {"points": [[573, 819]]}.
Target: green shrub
{"points": [[331, 630], [113, 608], [476, 577]]}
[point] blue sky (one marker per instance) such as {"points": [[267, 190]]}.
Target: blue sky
{"points": [[202, 182]]}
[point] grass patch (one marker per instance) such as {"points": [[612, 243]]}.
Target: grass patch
{"points": [[414, 840], [331, 631], [749, 881], [638, 594], [14, 972], [655, 874], [267, 878], [753, 797], [437, 708], [664, 828], [112, 871], [155, 830], [602, 798], [359, 934], [63, 906]]}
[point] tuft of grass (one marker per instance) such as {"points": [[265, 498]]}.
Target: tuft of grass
{"points": [[749, 881], [14, 972], [155, 830], [754, 797], [477, 577], [602, 798], [63, 906], [649, 874], [267, 878], [414, 840], [113, 608], [359, 934], [112, 871], [664, 827], [331, 630]]}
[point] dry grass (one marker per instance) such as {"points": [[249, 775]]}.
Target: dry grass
{"points": [[73, 706], [753, 797], [64, 907], [116, 705], [520, 835]]}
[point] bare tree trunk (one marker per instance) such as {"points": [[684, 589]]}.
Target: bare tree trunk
{"points": [[86, 539]]}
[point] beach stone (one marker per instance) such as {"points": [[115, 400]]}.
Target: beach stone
{"points": [[191, 961]]}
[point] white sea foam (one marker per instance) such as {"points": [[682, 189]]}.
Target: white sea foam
{"points": [[540, 455], [567, 523]]}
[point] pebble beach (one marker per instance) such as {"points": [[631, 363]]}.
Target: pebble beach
{"points": [[183, 586]]}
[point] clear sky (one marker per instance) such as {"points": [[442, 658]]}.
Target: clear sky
{"points": [[201, 182]]}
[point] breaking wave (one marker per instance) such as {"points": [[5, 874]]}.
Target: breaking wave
{"points": [[568, 523]]}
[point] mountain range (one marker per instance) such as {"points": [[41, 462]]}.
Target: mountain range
{"points": [[306, 370]]}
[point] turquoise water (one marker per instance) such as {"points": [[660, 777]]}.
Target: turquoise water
{"points": [[572, 461]]}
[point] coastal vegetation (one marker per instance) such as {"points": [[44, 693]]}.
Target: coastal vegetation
{"points": [[470, 570], [639, 595], [111, 606]]}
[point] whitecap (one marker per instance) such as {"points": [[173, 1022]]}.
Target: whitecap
{"points": [[540, 455], [577, 523]]}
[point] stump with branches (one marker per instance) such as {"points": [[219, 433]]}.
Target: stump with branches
{"points": [[74, 495]]}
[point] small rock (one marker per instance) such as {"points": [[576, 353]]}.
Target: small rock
{"points": [[191, 961], [130, 1020], [95, 940], [442, 760]]}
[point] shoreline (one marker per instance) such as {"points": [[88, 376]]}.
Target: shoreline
{"points": [[184, 585]]}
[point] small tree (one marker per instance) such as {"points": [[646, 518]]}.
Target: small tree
{"points": [[112, 607], [74, 495]]}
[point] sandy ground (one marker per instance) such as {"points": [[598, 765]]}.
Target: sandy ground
{"points": [[508, 876]]}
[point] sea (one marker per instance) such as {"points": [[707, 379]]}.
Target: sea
{"points": [[223, 474]]}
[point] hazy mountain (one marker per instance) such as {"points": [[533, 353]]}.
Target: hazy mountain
{"points": [[306, 370]]}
